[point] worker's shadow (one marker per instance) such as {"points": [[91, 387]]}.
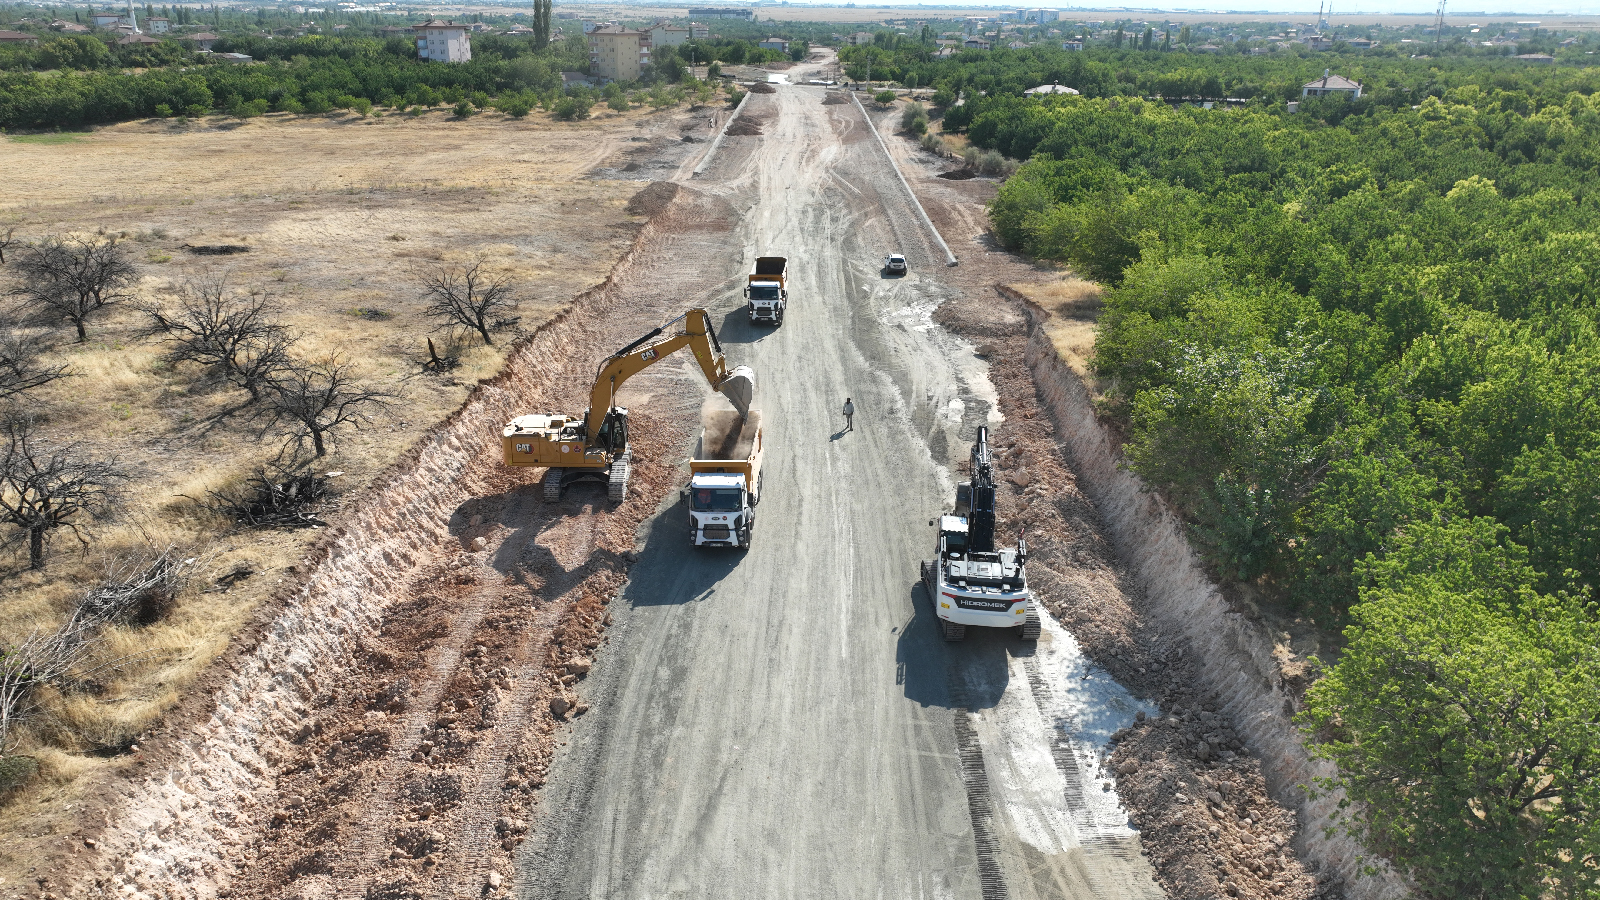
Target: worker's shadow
{"points": [[970, 674], [671, 570], [838, 434]]}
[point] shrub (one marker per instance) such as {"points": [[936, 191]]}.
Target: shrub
{"points": [[933, 143], [163, 110], [569, 108], [318, 103], [464, 109], [619, 102], [247, 109], [884, 98], [517, 105], [479, 99], [362, 106], [195, 111], [290, 105], [714, 70], [345, 101], [990, 162], [914, 118]]}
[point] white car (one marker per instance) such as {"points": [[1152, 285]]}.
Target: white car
{"points": [[895, 264]]}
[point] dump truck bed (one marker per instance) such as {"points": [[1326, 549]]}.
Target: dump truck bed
{"points": [[729, 445]]}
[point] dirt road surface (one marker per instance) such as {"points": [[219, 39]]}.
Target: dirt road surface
{"points": [[786, 721]]}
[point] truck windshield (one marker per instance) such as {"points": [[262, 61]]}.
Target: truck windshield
{"points": [[763, 293], [955, 542], [718, 499]]}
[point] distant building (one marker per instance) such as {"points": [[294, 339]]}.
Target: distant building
{"points": [[158, 25], [976, 44], [1330, 85], [664, 35], [774, 43], [1360, 44], [205, 39], [699, 32], [143, 40], [1538, 59], [17, 37], [1049, 89], [66, 27], [106, 20], [231, 57], [861, 39], [1208, 48], [720, 12], [617, 53], [443, 41], [1072, 45]]}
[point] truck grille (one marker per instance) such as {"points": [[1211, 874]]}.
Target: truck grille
{"points": [[716, 532]]}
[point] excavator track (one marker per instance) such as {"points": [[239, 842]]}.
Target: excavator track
{"points": [[618, 487], [1031, 626], [552, 485]]}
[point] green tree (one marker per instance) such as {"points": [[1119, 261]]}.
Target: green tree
{"points": [[1463, 715]]}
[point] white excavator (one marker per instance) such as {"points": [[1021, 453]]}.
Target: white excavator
{"points": [[594, 446], [971, 581]]}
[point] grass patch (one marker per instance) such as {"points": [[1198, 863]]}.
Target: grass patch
{"points": [[52, 138], [1074, 306]]}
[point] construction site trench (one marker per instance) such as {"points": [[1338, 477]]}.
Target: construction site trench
{"points": [[473, 692]]}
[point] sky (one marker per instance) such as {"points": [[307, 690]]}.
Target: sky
{"points": [[1486, 8]]}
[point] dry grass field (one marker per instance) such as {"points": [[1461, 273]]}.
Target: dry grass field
{"points": [[341, 216], [1073, 305]]}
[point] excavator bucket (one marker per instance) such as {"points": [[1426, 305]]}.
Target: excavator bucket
{"points": [[740, 389]]}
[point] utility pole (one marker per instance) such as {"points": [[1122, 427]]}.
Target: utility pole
{"points": [[1438, 26]]}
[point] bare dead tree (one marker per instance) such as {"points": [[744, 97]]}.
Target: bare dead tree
{"points": [[43, 489], [70, 279], [470, 298], [233, 337], [22, 367], [319, 398], [131, 587], [273, 495], [7, 239]]}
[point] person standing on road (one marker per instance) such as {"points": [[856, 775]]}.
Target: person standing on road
{"points": [[849, 415]]}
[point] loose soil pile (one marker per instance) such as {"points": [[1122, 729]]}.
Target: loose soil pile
{"points": [[653, 199], [744, 126], [836, 98], [958, 175], [762, 87]]}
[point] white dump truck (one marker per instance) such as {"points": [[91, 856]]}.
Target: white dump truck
{"points": [[766, 292], [725, 479]]}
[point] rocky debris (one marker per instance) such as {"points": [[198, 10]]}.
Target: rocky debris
{"points": [[1238, 848], [653, 199]]}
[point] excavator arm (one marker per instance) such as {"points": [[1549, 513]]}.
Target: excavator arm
{"points": [[695, 332]]}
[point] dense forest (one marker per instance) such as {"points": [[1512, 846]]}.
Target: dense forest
{"points": [[1358, 346]]}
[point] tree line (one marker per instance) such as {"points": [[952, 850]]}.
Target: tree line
{"points": [[1358, 347]]}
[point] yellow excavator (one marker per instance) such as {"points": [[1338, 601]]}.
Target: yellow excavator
{"points": [[594, 446]]}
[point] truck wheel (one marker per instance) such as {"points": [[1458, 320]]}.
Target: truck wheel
{"points": [[618, 487], [744, 537], [552, 485], [954, 632], [1030, 627], [927, 577], [779, 319]]}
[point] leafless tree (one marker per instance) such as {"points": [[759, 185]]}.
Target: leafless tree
{"points": [[43, 488], [131, 586], [230, 335], [7, 239], [21, 367], [70, 279], [471, 298], [319, 398]]}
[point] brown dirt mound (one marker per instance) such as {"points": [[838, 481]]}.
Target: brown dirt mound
{"points": [[835, 98], [959, 174], [744, 126], [652, 199], [762, 87]]}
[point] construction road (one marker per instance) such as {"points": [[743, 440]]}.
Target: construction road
{"points": [[786, 722]]}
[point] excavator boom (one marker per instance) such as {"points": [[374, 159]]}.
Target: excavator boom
{"points": [[597, 442]]}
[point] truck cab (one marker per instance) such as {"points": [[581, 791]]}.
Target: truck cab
{"points": [[721, 510], [725, 479], [766, 293]]}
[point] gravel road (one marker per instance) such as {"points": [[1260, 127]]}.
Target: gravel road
{"points": [[785, 722]]}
